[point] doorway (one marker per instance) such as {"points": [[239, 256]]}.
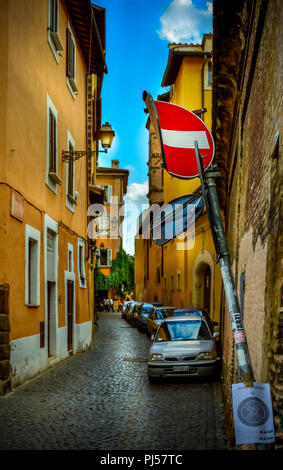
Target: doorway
{"points": [[203, 286], [51, 314]]}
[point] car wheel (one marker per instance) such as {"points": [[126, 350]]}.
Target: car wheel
{"points": [[153, 380]]}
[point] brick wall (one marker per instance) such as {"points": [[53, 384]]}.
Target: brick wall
{"points": [[248, 59]]}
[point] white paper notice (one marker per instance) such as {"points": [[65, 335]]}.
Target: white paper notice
{"points": [[253, 416]]}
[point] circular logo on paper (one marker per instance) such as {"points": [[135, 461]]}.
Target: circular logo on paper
{"points": [[253, 412]]}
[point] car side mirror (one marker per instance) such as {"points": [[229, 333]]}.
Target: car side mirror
{"points": [[216, 334]]}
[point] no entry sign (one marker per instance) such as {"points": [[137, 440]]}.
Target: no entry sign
{"points": [[177, 129]]}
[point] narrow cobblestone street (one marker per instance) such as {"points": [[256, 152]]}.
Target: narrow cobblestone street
{"points": [[102, 400]]}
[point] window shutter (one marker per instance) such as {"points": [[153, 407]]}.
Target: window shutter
{"points": [[109, 257], [97, 115], [52, 142], [109, 195], [55, 15], [50, 256], [69, 48], [71, 173], [72, 59], [98, 256]]}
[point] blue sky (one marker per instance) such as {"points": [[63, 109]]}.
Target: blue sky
{"points": [[137, 36]]}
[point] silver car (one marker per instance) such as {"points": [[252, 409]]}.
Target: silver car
{"points": [[183, 346]]}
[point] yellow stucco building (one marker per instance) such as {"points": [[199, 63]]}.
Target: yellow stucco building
{"points": [[114, 181], [169, 273], [44, 250]]}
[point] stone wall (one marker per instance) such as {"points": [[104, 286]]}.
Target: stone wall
{"points": [[5, 379], [248, 91]]}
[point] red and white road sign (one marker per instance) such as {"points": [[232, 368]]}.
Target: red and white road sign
{"points": [[178, 129]]}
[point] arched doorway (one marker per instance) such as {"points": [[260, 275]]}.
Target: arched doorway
{"points": [[203, 275], [203, 286]]}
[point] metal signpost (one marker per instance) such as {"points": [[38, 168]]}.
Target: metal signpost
{"points": [[163, 118]]}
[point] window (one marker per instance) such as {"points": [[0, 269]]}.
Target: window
{"points": [[104, 257], [70, 258], [158, 275], [179, 281], [209, 73], [71, 198], [172, 282], [71, 62], [52, 178], [32, 266], [53, 27], [81, 263]]}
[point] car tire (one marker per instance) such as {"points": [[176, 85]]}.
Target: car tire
{"points": [[153, 380]]}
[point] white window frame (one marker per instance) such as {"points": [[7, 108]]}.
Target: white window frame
{"points": [[82, 283], [108, 189], [71, 82], [70, 258], [104, 225], [70, 199], [109, 257], [51, 180], [53, 36], [32, 234]]}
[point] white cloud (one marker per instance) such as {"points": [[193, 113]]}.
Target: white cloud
{"points": [[183, 22], [137, 193]]}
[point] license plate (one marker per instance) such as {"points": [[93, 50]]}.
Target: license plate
{"points": [[181, 368]]}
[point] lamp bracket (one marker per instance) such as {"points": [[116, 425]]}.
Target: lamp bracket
{"points": [[68, 155]]}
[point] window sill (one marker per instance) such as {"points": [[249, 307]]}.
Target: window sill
{"points": [[73, 84], [72, 199], [54, 177]]}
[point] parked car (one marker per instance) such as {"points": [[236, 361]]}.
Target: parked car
{"points": [[125, 308], [129, 311], [183, 346], [145, 310], [155, 318], [195, 311], [135, 314]]}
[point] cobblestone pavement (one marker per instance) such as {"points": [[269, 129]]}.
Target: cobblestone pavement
{"points": [[102, 400]]}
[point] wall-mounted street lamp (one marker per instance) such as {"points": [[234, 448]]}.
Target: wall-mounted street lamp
{"points": [[105, 135]]}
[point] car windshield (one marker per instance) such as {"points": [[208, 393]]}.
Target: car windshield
{"points": [[179, 313], [183, 331], [146, 308], [164, 313]]}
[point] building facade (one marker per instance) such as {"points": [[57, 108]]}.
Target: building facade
{"points": [[248, 127], [109, 234], [181, 273], [44, 249]]}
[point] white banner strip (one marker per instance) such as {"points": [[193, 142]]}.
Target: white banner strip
{"points": [[185, 139]]}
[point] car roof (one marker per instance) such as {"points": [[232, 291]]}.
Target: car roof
{"points": [[184, 317], [162, 307]]}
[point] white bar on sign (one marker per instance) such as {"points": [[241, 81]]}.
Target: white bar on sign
{"points": [[185, 139]]}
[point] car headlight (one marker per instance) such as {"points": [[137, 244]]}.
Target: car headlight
{"points": [[157, 357], [207, 355]]}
